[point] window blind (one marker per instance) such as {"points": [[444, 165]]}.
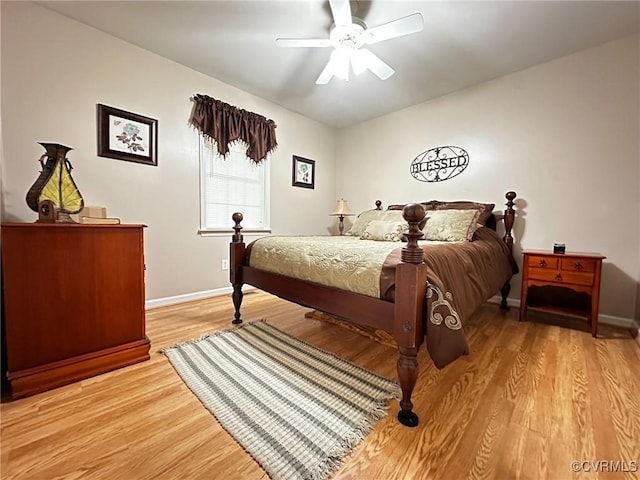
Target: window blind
{"points": [[233, 184]]}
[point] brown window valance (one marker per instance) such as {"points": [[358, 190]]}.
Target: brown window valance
{"points": [[225, 124]]}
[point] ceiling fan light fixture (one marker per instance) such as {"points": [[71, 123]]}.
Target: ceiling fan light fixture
{"points": [[358, 63], [341, 59]]}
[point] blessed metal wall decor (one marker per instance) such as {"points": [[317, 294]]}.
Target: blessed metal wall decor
{"points": [[439, 164]]}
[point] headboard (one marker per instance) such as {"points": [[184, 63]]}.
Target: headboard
{"points": [[488, 217]]}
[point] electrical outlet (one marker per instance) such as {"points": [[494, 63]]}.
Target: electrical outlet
{"points": [[225, 264]]}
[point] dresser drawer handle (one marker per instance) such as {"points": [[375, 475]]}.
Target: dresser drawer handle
{"points": [[578, 266], [543, 263], [558, 277]]}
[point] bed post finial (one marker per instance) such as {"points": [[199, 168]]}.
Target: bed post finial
{"points": [[378, 205], [413, 213], [237, 218]]}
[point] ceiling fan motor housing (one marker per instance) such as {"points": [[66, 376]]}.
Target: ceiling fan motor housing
{"points": [[350, 36]]}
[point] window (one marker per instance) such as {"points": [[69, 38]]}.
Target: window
{"points": [[233, 184]]}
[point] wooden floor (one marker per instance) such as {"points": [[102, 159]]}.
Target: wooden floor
{"points": [[530, 398]]}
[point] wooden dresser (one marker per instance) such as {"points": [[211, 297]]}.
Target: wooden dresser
{"points": [[580, 272], [73, 302]]}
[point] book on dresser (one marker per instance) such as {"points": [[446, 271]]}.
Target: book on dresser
{"points": [[100, 220]]}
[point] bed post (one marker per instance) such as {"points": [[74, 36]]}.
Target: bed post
{"points": [[509, 217], [408, 329], [236, 257]]}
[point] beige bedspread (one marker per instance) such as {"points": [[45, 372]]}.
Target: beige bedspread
{"points": [[343, 262], [461, 275]]}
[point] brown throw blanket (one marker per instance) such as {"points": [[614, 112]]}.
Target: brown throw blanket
{"points": [[461, 276]]}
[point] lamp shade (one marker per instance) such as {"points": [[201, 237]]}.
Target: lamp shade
{"points": [[342, 209]]}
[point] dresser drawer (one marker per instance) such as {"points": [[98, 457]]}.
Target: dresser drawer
{"points": [[542, 261], [578, 265], [561, 276]]}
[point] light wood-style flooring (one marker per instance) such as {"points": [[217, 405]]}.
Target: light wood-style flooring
{"points": [[531, 398]]}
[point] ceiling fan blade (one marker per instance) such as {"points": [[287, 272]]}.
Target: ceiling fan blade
{"points": [[341, 11], [303, 42], [372, 62], [397, 28], [327, 73]]}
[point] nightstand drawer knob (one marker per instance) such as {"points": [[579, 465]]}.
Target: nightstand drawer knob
{"points": [[578, 266], [543, 263], [558, 277]]}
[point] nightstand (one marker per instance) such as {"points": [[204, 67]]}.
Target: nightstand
{"points": [[578, 271]]}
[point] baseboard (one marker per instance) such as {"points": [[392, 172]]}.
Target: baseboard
{"points": [[612, 320], [189, 297], [618, 321]]}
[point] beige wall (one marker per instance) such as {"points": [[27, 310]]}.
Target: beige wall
{"points": [[637, 313], [563, 135], [55, 71]]}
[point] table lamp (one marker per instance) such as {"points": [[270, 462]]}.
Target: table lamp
{"points": [[341, 211]]}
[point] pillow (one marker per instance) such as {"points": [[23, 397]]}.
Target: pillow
{"points": [[385, 230], [486, 209], [451, 225], [399, 207], [358, 228]]}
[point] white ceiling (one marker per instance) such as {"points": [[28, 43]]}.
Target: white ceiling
{"points": [[462, 44]]}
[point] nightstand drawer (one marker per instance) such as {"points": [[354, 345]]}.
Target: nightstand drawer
{"points": [[561, 276], [578, 265], [541, 261]]}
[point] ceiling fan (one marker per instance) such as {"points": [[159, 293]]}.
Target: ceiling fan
{"points": [[348, 36]]}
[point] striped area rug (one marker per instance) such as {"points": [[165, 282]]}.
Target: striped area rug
{"points": [[296, 409]]}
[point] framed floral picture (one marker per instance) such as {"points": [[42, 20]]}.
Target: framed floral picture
{"points": [[304, 172], [127, 136]]}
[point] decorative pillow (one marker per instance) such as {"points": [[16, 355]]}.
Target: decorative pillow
{"points": [[358, 228], [486, 209], [451, 225], [399, 207], [385, 230]]}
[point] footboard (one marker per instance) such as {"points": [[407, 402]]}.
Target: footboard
{"points": [[402, 318]]}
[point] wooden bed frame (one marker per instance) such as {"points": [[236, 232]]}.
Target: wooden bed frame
{"points": [[403, 318]]}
